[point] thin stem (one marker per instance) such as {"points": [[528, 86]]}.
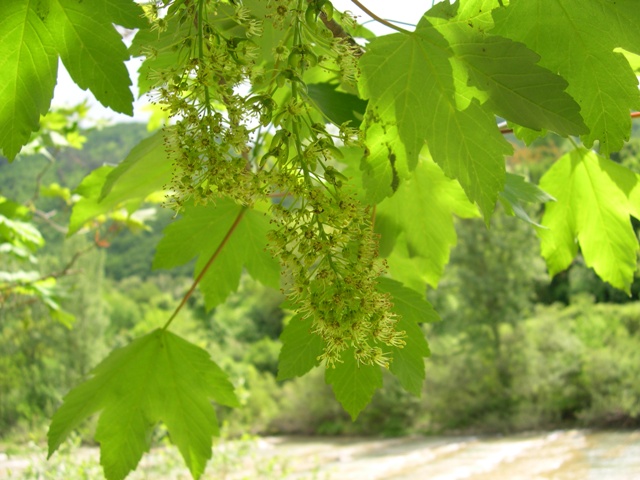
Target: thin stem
{"points": [[206, 267], [510, 130], [207, 98], [46, 216], [379, 19], [66, 270], [573, 142], [36, 193]]}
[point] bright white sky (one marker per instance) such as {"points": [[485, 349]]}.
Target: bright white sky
{"points": [[68, 93]]}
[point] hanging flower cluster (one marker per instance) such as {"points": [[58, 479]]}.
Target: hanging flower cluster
{"points": [[322, 236]]}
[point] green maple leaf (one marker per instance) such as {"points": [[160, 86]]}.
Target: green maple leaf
{"points": [[300, 348], [33, 33], [506, 73], [146, 169], [418, 93], [442, 85], [92, 50], [577, 38], [122, 12], [595, 198], [29, 65], [339, 107], [202, 230], [353, 383], [518, 191], [416, 224], [408, 361], [157, 378]]}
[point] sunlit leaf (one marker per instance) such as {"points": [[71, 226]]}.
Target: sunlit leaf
{"points": [[592, 212], [422, 209], [29, 65], [157, 378]]}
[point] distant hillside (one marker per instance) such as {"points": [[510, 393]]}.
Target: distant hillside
{"points": [[108, 145], [129, 254]]}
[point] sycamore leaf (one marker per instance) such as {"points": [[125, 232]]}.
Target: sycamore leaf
{"points": [[29, 65], [422, 209], [577, 38], [592, 210], [146, 169], [518, 191], [353, 383], [507, 73], [408, 361], [525, 134], [202, 230], [418, 93], [157, 378], [87, 207], [33, 33], [92, 49], [340, 107], [300, 348], [122, 12]]}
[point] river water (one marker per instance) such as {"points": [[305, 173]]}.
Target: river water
{"points": [[559, 455]]}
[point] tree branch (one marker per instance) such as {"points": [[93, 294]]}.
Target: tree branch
{"points": [[379, 19], [510, 130]]}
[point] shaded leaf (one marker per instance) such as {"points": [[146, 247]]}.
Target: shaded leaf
{"points": [[413, 308], [588, 31], [353, 384], [300, 349], [340, 107], [512, 83], [147, 169], [518, 191], [202, 230]]}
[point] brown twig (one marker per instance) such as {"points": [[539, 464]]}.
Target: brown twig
{"points": [[338, 32], [379, 19], [510, 130], [36, 194], [206, 267], [46, 216]]}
